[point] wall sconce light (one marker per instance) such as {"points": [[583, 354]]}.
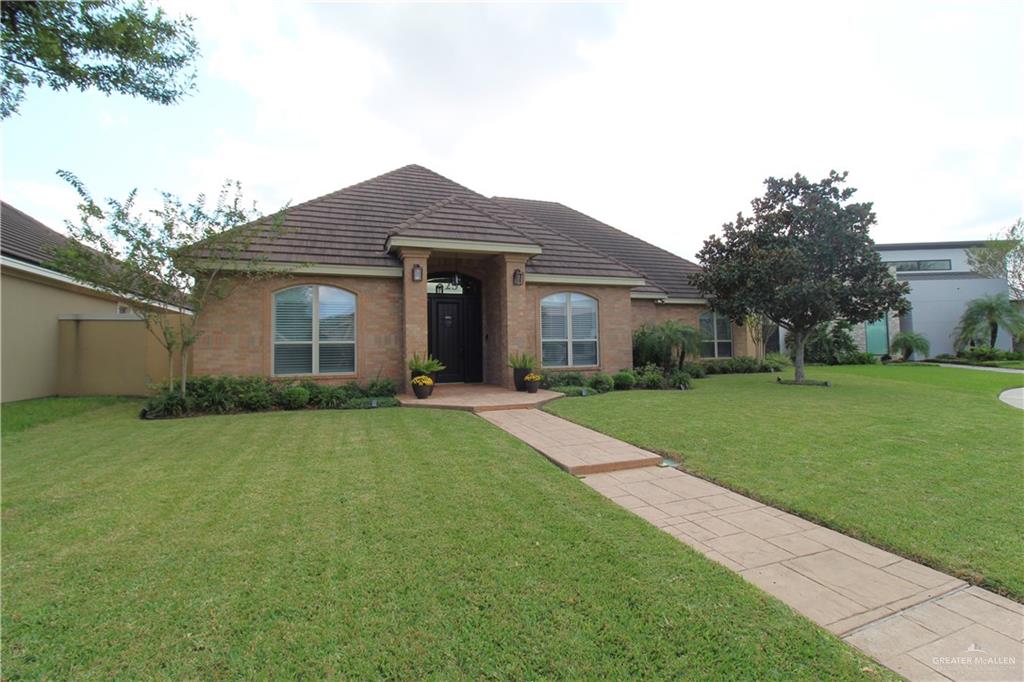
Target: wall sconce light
{"points": [[517, 277], [417, 273]]}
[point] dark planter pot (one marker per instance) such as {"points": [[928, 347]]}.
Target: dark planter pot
{"points": [[425, 374], [422, 392], [531, 386], [519, 376]]}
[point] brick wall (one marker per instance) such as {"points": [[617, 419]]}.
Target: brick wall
{"points": [[236, 336]]}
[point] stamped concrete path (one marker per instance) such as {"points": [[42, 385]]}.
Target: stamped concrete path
{"points": [[923, 624]]}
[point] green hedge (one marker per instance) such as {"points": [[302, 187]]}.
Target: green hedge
{"points": [[230, 394]]}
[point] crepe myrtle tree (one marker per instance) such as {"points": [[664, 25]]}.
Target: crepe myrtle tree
{"points": [[132, 48], [802, 258], [182, 256]]}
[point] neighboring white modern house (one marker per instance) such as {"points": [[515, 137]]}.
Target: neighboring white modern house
{"points": [[941, 286]]}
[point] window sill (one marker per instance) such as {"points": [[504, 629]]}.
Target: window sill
{"points": [[314, 377]]}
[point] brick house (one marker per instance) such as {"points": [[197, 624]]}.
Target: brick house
{"points": [[412, 262]]}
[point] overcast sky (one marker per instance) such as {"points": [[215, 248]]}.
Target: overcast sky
{"points": [[662, 120]]}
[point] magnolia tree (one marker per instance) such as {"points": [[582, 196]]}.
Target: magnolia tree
{"points": [[802, 258], [180, 257]]}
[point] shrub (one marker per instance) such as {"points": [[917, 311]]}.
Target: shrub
{"points": [[561, 379], [328, 398], [320, 395], [858, 358], [715, 366], [601, 383], [293, 398], [650, 377], [222, 394], [986, 354], [742, 365], [167, 403], [624, 380], [776, 362], [367, 402], [212, 394], [570, 391], [694, 369], [381, 387], [254, 394], [678, 378], [826, 343]]}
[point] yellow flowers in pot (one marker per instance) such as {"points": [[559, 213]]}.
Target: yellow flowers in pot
{"points": [[422, 380], [532, 376]]}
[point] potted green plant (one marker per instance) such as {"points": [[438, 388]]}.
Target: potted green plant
{"points": [[521, 364], [422, 386], [425, 366], [532, 382]]}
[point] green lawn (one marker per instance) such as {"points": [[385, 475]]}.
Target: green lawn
{"points": [[924, 461], [387, 543], [25, 414]]}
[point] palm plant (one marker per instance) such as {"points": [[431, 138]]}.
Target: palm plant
{"points": [[908, 343], [669, 343], [984, 316], [425, 365]]}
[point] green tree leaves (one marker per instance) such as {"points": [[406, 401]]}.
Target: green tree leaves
{"points": [[109, 45]]}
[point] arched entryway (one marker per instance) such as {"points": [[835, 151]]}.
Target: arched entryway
{"points": [[454, 326]]}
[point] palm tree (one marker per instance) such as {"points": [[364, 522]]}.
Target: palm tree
{"points": [[666, 344], [683, 339], [908, 343], [986, 315]]}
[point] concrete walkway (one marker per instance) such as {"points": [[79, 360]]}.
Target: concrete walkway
{"points": [[1004, 370], [923, 624], [576, 449], [1013, 397]]}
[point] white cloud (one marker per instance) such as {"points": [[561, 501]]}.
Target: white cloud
{"points": [[661, 119]]}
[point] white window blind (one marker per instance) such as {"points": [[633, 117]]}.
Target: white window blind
{"points": [[314, 331], [568, 330]]}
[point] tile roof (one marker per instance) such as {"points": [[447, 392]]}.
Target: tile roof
{"points": [[662, 269], [453, 218], [351, 226], [25, 238]]}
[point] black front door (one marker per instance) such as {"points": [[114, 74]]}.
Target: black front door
{"points": [[453, 336]]}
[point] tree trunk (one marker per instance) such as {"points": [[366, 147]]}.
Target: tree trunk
{"points": [[184, 370], [798, 357], [170, 367], [993, 332], [682, 356]]}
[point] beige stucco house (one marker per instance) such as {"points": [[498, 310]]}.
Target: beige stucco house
{"points": [[411, 262], [59, 336]]}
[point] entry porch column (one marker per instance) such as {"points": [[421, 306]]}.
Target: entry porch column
{"points": [[515, 312], [414, 308]]}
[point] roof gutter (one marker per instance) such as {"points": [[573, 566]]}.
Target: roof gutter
{"points": [[541, 278], [460, 245], [45, 273], [315, 269]]}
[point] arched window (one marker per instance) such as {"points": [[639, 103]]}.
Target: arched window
{"points": [[314, 331], [568, 330], [716, 336]]}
